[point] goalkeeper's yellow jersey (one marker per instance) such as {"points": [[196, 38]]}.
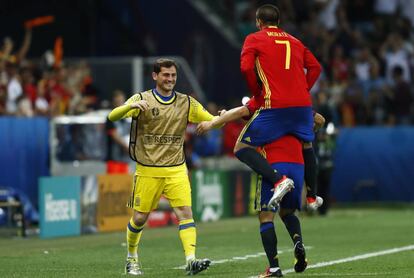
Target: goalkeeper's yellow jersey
{"points": [[158, 134]]}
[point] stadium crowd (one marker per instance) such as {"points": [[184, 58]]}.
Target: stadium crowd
{"points": [[366, 49], [43, 86]]}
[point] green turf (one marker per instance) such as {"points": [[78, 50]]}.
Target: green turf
{"points": [[343, 233]]}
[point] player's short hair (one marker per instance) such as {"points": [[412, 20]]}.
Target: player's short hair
{"points": [[268, 14], [164, 63]]}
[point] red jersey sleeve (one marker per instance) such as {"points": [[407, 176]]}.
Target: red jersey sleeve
{"points": [[313, 68], [254, 104], [247, 64]]}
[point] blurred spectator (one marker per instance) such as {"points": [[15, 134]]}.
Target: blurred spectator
{"points": [[339, 65], [24, 107], [14, 88], [84, 96], [376, 108], [321, 105], [396, 52], [375, 82], [7, 55], [29, 86], [117, 133], [407, 10], [42, 99], [41, 105], [402, 98], [327, 15], [363, 61], [324, 148], [59, 92]]}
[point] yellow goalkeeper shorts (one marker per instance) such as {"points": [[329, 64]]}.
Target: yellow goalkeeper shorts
{"points": [[146, 192]]}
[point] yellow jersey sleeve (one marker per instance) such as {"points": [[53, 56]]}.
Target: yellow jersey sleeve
{"points": [[133, 112], [198, 113], [125, 111]]}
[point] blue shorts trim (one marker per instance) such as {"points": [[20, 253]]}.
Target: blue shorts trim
{"points": [[293, 199], [268, 125]]}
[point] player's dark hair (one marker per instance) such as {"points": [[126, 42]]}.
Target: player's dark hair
{"points": [[164, 63], [268, 14]]}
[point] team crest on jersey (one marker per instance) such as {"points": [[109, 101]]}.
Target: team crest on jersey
{"points": [[155, 111]]}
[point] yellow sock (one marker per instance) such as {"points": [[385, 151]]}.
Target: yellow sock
{"points": [[187, 233], [134, 233]]}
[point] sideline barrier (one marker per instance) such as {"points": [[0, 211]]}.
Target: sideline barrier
{"points": [[59, 205], [70, 205], [114, 192], [24, 148], [221, 194], [374, 164]]}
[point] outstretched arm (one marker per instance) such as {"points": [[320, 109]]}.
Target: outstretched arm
{"points": [[227, 116], [21, 55], [122, 111]]}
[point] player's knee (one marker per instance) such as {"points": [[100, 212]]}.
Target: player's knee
{"points": [[239, 146], [140, 218], [266, 216], [285, 212], [183, 213]]}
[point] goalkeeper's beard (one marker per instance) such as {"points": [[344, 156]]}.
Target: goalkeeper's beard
{"points": [[168, 87]]}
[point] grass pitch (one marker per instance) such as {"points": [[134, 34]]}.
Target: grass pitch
{"points": [[234, 245]]}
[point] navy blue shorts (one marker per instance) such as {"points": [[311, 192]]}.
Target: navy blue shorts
{"points": [[268, 125], [293, 199]]}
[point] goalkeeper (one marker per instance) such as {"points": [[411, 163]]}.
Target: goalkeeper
{"points": [[159, 121]]}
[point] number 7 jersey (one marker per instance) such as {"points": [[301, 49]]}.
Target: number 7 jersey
{"points": [[273, 63]]}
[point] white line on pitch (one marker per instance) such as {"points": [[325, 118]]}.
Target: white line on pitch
{"points": [[342, 274], [355, 258], [242, 258]]}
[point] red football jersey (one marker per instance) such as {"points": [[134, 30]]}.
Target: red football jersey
{"points": [[286, 149], [254, 104], [279, 60]]}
